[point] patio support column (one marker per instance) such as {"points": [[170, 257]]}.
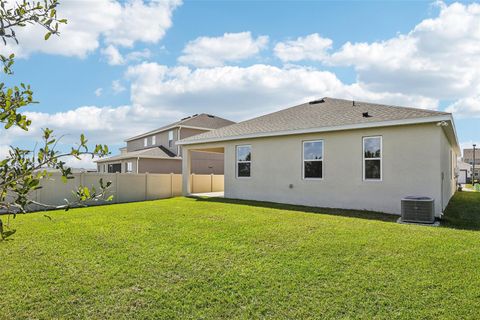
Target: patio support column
{"points": [[186, 171]]}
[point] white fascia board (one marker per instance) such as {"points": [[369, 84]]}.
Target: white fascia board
{"points": [[457, 146], [388, 123]]}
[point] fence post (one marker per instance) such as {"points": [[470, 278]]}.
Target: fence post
{"points": [[146, 186], [171, 184], [193, 184], [211, 182], [82, 179], [117, 200]]}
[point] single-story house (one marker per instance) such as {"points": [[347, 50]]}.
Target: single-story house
{"points": [[336, 153], [156, 151]]}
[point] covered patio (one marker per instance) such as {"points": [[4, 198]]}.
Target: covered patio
{"points": [[188, 180]]}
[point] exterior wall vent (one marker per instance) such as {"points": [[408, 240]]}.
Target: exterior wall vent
{"points": [[418, 209]]}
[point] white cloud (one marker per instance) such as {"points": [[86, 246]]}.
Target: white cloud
{"points": [[113, 56], [215, 51], [110, 125], [438, 58], [312, 47], [242, 92], [117, 87], [89, 21], [466, 108], [139, 21], [139, 55], [85, 162], [98, 92]]}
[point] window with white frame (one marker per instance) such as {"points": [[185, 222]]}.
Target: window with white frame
{"points": [[244, 161], [372, 158], [154, 140], [145, 142], [129, 167], [313, 159], [170, 138]]}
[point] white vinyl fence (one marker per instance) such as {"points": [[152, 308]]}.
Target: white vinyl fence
{"points": [[125, 187]]}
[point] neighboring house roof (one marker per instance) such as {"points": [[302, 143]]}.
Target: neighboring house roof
{"points": [[464, 165], [321, 115], [150, 153], [201, 121]]}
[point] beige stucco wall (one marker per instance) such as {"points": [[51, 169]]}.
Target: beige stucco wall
{"points": [[414, 157], [159, 166], [202, 163], [449, 168], [206, 163], [160, 139], [188, 132], [103, 167]]}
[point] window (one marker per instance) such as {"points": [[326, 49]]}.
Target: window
{"points": [[114, 168], [154, 140], [313, 159], [129, 167], [244, 161], [145, 142], [372, 158], [170, 138]]}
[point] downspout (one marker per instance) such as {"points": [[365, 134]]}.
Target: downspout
{"points": [[138, 158]]}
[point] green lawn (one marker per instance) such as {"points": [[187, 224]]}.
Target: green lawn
{"points": [[186, 258]]}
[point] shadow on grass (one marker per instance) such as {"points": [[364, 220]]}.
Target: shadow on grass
{"points": [[369, 215], [463, 211]]}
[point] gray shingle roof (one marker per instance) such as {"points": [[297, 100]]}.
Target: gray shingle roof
{"points": [[155, 152], [202, 120], [329, 113]]}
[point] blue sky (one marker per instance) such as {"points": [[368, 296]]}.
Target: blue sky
{"points": [[121, 68]]}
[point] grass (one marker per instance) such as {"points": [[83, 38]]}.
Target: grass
{"points": [[463, 211], [195, 258]]}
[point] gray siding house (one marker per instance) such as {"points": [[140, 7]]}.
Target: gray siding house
{"points": [[336, 153], [157, 151]]}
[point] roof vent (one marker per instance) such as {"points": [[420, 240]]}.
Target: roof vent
{"points": [[210, 116], [196, 114], [366, 115], [317, 101], [184, 118]]}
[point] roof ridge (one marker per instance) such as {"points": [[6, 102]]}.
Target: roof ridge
{"points": [[391, 105]]}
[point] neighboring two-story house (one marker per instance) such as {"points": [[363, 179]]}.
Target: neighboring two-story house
{"points": [[157, 152]]}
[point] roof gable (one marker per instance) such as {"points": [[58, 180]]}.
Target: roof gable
{"points": [[200, 121]]}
